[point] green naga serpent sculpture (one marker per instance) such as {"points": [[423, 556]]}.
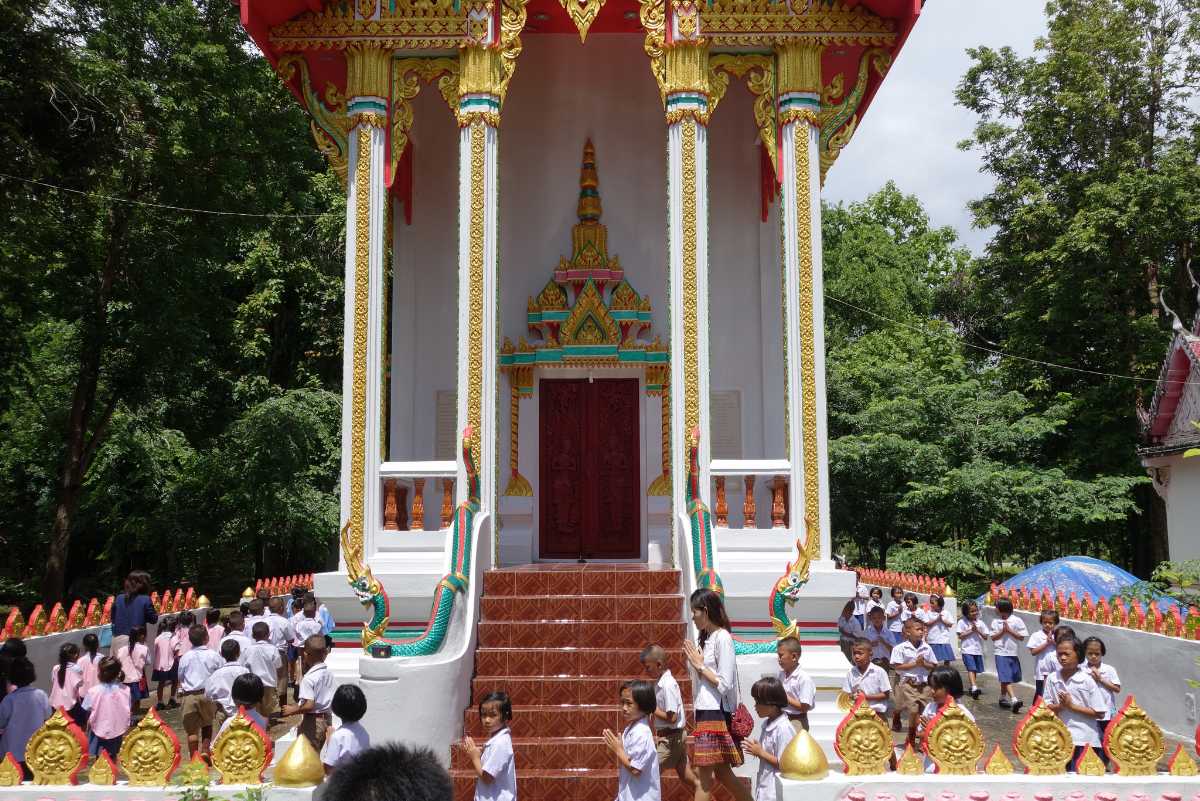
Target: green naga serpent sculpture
{"points": [[786, 589], [371, 592]]}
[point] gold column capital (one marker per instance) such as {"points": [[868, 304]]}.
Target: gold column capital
{"points": [[686, 67], [482, 79], [799, 67], [367, 73]]}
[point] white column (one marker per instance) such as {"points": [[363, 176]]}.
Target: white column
{"points": [[804, 317], [686, 64], [366, 205], [480, 86]]}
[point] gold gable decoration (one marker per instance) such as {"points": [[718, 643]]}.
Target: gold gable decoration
{"points": [[57, 751], [1134, 741], [954, 742], [1043, 742], [149, 753], [241, 753], [590, 322]]}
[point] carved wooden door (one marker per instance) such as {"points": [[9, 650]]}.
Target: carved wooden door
{"points": [[589, 469]]}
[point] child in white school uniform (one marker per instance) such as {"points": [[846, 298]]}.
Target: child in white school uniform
{"points": [[938, 625], [1042, 649], [945, 684], [315, 696], [1008, 631], [971, 632], [849, 629], [877, 634], [862, 597], [349, 704], [495, 769], [669, 722], [219, 686], [798, 685], [867, 678], [1073, 695], [773, 737], [247, 693], [912, 660], [634, 750], [892, 612], [263, 660], [1105, 675]]}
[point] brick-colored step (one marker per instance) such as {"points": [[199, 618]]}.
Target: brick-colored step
{"points": [[577, 785], [584, 720], [580, 634], [552, 691], [613, 580], [569, 662], [602, 608]]}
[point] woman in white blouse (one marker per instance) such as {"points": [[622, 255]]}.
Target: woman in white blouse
{"points": [[715, 698]]}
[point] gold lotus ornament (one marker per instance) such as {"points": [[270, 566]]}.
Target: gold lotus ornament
{"points": [[11, 774], [150, 752], [863, 741], [910, 764], [844, 702], [1134, 741], [1089, 763], [56, 752], [953, 741], [1043, 742], [1181, 764], [803, 759], [102, 771], [242, 752], [300, 766], [202, 602], [997, 764]]}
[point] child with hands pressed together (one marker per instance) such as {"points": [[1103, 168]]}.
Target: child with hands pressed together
{"points": [[938, 625], [893, 612], [1105, 676], [1041, 646], [495, 771], [1008, 631], [668, 715], [849, 629], [773, 737], [867, 678], [912, 660], [634, 750], [1074, 696], [877, 635], [971, 632]]}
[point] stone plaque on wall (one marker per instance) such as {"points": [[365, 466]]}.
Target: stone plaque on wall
{"points": [[446, 404], [726, 408]]}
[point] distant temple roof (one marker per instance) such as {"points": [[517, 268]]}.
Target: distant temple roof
{"points": [[1167, 426]]}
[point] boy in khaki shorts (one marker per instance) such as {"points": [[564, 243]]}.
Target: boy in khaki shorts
{"points": [[912, 660], [669, 723], [194, 669]]}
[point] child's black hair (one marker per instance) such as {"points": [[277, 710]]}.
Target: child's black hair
{"points": [[109, 670], [948, 679], [911, 596], [769, 691], [349, 703], [212, 616], [388, 773], [642, 693], [22, 672], [230, 650], [187, 618], [1052, 614], [91, 643], [247, 690], [1098, 641], [260, 630], [14, 647], [68, 652], [166, 623], [197, 635], [968, 606], [1064, 633], [1004, 606], [504, 703], [937, 601], [137, 634]]}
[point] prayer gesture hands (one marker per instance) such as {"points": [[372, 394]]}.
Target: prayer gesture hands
{"points": [[754, 747], [467, 744], [694, 655], [614, 744]]}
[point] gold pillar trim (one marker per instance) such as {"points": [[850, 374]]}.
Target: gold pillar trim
{"points": [[408, 74], [358, 383], [661, 486], [518, 485], [758, 70], [686, 67], [367, 73], [799, 67], [475, 273], [653, 17], [479, 71], [808, 332], [688, 288]]}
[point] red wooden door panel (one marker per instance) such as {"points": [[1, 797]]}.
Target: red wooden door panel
{"points": [[589, 469]]}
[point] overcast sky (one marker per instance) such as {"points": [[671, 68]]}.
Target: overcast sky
{"points": [[911, 129]]}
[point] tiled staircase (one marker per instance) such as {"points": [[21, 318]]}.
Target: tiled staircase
{"points": [[559, 639]]}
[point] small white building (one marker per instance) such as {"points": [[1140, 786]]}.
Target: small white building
{"points": [[1169, 430]]}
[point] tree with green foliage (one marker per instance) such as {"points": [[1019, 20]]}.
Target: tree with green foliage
{"points": [[1093, 144], [141, 334]]}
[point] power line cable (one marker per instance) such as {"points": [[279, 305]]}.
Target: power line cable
{"points": [[1004, 355], [163, 206]]}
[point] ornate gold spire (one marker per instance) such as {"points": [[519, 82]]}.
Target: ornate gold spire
{"points": [[589, 186], [589, 237]]}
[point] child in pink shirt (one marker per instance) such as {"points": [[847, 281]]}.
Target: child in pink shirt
{"points": [[66, 683], [162, 665], [108, 708], [89, 662], [133, 665], [216, 632], [182, 643]]}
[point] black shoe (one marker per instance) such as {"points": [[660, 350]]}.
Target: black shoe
{"points": [[1016, 706], [160, 706], [172, 704], [1005, 702]]}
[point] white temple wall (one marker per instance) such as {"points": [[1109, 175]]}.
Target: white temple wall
{"points": [[562, 94]]}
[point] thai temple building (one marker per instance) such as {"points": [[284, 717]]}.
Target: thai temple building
{"points": [[584, 355]]}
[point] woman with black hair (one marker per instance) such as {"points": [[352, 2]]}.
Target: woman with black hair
{"points": [[132, 608]]}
